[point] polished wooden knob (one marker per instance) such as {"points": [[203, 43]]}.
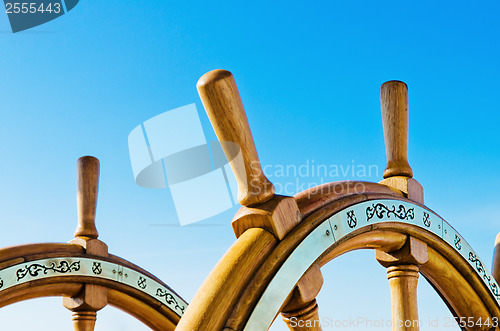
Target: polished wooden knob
{"points": [[220, 96], [394, 104], [87, 187], [495, 270]]}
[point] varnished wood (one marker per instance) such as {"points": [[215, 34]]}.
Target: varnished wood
{"points": [[315, 198], [242, 309], [413, 252], [92, 297], [394, 104], [464, 295], [449, 273], [453, 277], [84, 320], [456, 282], [220, 96], [304, 319], [269, 229], [134, 302], [29, 252], [445, 267], [91, 246], [20, 253], [306, 290], [278, 215], [377, 239], [218, 294], [300, 311], [409, 186], [38, 289], [495, 269], [87, 183], [403, 280], [158, 318], [150, 311], [402, 271]]}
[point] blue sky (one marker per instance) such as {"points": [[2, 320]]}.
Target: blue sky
{"points": [[309, 76]]}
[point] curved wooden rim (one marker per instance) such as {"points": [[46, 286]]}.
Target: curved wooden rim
{"points": [[460, 285], [157, 317], [271, 266], [445, 270], [136, 302], [452, 277], [315, 198], [236, 284], [13, 255], [205, 310], [223, 287]]}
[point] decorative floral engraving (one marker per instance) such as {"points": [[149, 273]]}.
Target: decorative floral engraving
{"points": [[142, 282], [427, 221], [34, 269], [380, 209], [169, 299], [351, 219], [480, 269], [96, 268], [458, 245]]}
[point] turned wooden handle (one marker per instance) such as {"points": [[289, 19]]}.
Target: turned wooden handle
{"points": [[394, 104], [87, 186], [220, 96], [495, 270], [84, 320]]}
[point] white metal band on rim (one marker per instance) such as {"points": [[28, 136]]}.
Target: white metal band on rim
{"points": [[89, 267], [343, 223]]}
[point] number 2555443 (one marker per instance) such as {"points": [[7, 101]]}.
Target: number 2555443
{"points": [[32, 8]]}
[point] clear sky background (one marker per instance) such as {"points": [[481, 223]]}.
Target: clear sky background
{"points": [[309, 75]]}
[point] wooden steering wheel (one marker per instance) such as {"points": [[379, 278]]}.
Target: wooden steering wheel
{"points": [[84, 273], [274, 267]]}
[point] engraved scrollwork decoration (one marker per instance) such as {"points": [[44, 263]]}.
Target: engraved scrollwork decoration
{"points": [[351, 219], [427, 220], [457, 240], [35, 269], [480, 269], [380, 210], [169, 299]]}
